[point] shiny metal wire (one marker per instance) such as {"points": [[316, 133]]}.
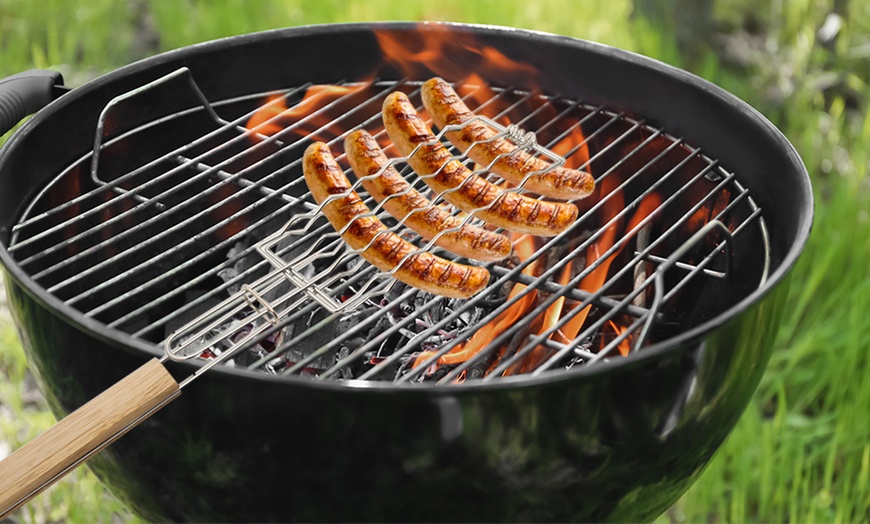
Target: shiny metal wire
{"points": [[347, 283]]}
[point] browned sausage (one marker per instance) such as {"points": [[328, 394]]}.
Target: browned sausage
{"points": [[507, 210], [366, 158], [447, 108], [423, 271]]}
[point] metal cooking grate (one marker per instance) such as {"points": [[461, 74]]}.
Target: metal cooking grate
{"points": [[158, 228]]}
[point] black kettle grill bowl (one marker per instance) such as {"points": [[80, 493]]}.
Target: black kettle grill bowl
{"points": [[620, 440]]}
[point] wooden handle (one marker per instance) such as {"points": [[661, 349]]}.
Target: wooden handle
{"points": [[49, 456]]}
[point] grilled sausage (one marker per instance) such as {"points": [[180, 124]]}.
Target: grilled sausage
{"points": [[507, 210], [447, 108], [423, 271], [366, 158]]}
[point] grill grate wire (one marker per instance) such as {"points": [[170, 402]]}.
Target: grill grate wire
{"points": [[285, 194]]}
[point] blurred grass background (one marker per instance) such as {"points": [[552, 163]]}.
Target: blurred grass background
{"points": [[801, 452]]}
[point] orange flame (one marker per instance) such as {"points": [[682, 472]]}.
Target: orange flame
{"points": [[524, 247], [274, 116], [437, 49], [550, 318], [477, 92], [575, 139], [594, 280], [433, 48], [624, 347], [398, 50], [448, 53], [598, 277], [264, 120]]}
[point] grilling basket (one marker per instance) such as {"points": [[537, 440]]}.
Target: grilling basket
{"points": [[155, 224]]}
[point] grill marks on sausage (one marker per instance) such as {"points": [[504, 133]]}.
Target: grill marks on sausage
{"points": [[460, 186], [387, 250], [367, 159], [450, 179], [447, 108]]}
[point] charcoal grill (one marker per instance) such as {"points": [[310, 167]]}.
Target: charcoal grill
{"points": [[180, 229]]}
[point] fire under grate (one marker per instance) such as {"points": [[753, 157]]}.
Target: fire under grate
{"points": [[159, 232]]}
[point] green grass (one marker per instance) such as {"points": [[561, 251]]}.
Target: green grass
{"points": [[80, 497], [802, 450]]}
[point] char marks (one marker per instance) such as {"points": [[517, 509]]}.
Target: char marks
{"points": [[464, 189], [381, 247]]}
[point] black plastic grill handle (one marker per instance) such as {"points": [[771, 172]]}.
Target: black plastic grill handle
{"points": [[24, 94]]}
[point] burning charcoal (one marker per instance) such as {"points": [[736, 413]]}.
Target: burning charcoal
{"points": [[474, 372], [248, 357], [374, 358], [344, 373], [496, 298], [256, 353], [325, 334], [315, 340], [355, 367], [380, 326], [406, 309], [435, 375], [398, 321], [275, 365], [468, 317], [444, 309], [421, 299], [395, 292], [240, 266], [209, 354], [307, 271]]}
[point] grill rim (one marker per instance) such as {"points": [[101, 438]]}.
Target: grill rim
{"points": [[122, 340]]}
